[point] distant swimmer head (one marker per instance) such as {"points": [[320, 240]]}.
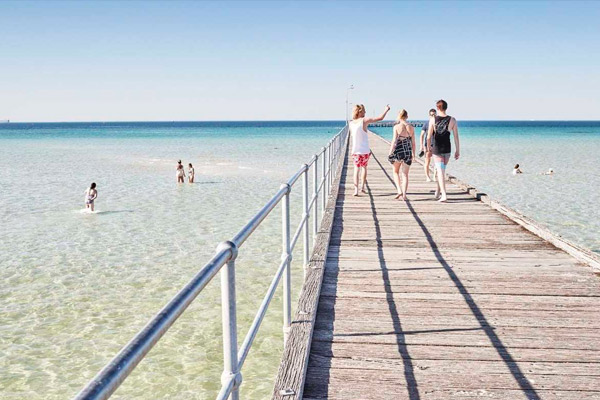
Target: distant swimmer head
{"points": [[358, 111], [516, 166], [403, 114], [190, 165], [432, 112], [179, 162], [550, 171], [93, 185], [441, 105]]}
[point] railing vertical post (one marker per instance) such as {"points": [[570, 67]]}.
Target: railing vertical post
{"points": [[331, 176], [306, 218], [335, 154], [229, 321], [324, 193], [328, 167], [316, 197], [286, 257]]}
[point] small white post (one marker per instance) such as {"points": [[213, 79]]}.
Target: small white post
{"points": [[286, 257], [229, 321], [328, 168], [305, 217], [316, 197]]}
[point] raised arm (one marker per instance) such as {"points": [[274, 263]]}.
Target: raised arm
{"points": [[456, 140], [367, 121]]}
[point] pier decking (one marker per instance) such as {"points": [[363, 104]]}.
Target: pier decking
{"points": [[422, 300]]}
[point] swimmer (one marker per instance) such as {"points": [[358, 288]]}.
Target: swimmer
{"points": [[190, 173], [180, 174], [549, 172], [517, 170], [90, 195]]}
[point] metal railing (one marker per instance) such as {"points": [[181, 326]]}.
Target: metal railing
{"points": [[116, 371]]}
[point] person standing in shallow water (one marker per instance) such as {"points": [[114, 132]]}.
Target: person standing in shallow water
{"points": [[190, 173], [91, 194], [402, 152], [180, 174], [441, 127], [361, 151]]}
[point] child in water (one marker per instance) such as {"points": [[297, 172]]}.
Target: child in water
{"points": [[190, 173], [517, 170], [90, 195]]}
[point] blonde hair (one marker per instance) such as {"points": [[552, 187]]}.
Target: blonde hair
{"points": [[403, 114], [357, 110]]}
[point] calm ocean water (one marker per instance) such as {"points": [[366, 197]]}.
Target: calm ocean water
{"points": [[75, 287]]}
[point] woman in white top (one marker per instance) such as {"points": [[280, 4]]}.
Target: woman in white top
{"points": [[360, 143]]}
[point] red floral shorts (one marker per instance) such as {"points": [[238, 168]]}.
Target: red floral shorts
{"points": [[361, 160]]}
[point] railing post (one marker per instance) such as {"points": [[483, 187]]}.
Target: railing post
{"points": [[316, 197], [306, 218], [324, 194], [228, 309], [328, 168], [286, 257]]}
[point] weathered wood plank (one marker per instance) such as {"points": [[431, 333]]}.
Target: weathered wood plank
{"points": [[422, 300]]}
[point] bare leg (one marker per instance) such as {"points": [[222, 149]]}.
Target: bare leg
{"points": [[426, 167], [92, 207], [405, 169], [397, 166], [364, 179], [355, 180], [441, 182]]}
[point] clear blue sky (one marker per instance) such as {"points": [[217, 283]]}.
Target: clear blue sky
{"points": [[197, 60]]}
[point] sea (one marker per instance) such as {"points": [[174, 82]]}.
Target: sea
{"points": [[76, 286]]}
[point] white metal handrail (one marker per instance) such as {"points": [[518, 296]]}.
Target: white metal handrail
{"points": [[116, 371]]}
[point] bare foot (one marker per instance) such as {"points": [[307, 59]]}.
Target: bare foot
{"points": [[363, 190], [428, 179], [443, 199], [436, 195], [398, 196], [404, 198]]}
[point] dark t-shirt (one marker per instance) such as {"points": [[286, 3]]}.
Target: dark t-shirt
{"points": [[425, 128]]}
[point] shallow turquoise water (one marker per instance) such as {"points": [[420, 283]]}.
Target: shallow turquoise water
{"points": [[76, 287]]}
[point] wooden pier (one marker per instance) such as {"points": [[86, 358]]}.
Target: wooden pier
{"points": [[389, 124], [422, 300]]}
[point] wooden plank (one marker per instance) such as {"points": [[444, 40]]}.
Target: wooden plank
{"points": [[422, 300]]}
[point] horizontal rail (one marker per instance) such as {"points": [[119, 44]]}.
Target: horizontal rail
{"points": [[117, 370], [109, 378]]}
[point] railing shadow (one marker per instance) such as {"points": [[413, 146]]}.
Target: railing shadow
{"points": [[409, 372], [500, 348]]}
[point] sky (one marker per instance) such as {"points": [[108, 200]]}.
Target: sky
{"points": [[283, 60]]}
